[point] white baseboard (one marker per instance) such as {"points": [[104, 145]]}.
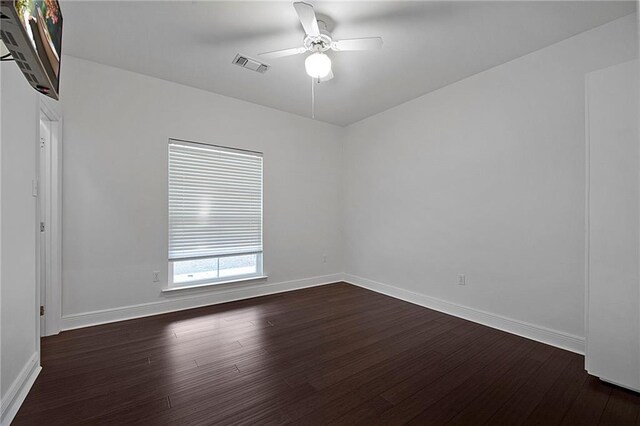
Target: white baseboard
{"points": [[541, 334], [19, 389], [193, 299], [631, 388], [216, 296]]}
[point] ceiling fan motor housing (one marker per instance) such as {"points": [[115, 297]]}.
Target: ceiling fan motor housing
{"points": [[319, 43]]}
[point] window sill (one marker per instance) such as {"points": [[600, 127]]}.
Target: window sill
{"points": [[212, 284]]}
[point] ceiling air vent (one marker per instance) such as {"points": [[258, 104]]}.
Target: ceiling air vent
{"points": [[7, 37], [250, 64]]}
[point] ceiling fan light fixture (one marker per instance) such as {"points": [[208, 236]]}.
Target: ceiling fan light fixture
{"points": [[318, 65]]}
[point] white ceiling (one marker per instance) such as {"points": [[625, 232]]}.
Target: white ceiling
{"points": [[427, 45]]}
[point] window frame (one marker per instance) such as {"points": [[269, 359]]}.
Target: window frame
{"points": [[258, 275]]}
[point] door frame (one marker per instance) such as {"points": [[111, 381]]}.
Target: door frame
{"points": [[52, 188]]}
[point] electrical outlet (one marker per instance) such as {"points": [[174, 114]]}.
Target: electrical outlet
{"points": [[156, 276], [462, 279]]}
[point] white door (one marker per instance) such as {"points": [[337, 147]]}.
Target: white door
{"points": [[613, 218]]}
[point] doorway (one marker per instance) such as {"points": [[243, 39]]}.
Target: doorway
{"points": [[48, 218]]}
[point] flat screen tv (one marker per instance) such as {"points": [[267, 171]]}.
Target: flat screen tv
{"points": [[32, 32]]}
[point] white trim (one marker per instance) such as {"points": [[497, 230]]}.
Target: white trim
{"points": [[19, 390], [530, 331], [36, 306], [619, 384], [587, 218], [198, 299], [214, 283]]}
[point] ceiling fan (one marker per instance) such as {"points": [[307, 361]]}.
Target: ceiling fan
{"points": [[318, 40]]}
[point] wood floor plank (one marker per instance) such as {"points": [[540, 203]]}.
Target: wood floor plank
{"points": [[589, 404], [334, 354], [557, 400], [522, 403], [493, 395], [430, 390], [622, 408], [331, 405], [397, 393], [484, 392]]}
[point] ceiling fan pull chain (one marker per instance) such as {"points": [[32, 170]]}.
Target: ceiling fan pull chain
{"points": [[313, 99]]}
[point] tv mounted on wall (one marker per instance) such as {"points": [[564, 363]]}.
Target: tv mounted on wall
{"points": [[32, 31]]}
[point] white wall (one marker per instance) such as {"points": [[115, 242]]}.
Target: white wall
{"points": [[18, 331], [116, 129], [484, 177]]}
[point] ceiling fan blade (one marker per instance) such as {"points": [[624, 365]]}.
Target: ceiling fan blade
{"points": [[368, 43], [282, 53], [307, 18], [327, 77]]}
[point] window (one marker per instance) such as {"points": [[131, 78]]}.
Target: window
{"points": [[215, 214]]}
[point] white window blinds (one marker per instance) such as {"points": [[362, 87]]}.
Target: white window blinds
{"points": [[215, 201]]}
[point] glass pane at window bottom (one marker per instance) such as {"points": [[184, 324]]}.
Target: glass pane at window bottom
{"points": [[238, 265], [195, 270]]}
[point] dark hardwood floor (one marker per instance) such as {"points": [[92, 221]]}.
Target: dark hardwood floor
{"points": [[335, 354]]}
